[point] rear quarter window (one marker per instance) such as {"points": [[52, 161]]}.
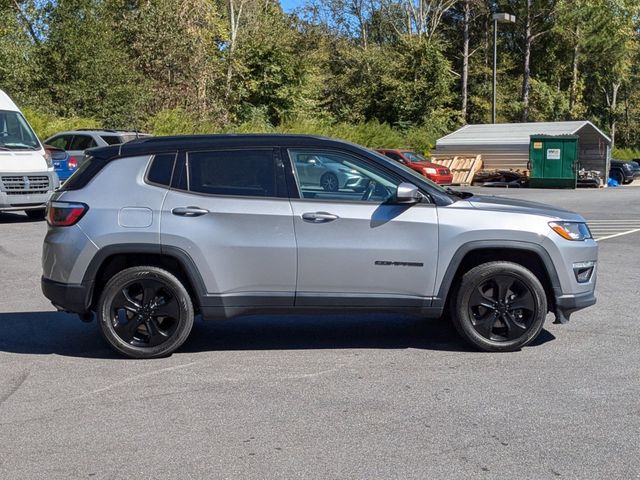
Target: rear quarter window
{"points": [[161, 169]]}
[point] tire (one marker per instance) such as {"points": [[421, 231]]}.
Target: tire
{"points": [[145, 312], [502, 286], [617, 176], [329, 182], [37, 214]]}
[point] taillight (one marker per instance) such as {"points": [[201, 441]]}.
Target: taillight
{"points": [[65, 214], [72, 163]]}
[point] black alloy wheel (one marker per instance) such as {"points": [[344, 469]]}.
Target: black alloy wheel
{"points": [[145, 312], [502, 308], [499, 306]]}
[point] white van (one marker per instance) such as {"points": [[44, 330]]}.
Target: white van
{"points": [[27, 179]]}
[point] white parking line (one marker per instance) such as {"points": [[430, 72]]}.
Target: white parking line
{"points": [[618, 235], [605, 229]]}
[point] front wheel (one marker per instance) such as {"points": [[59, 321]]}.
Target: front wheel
{"points": [[329, 182], [145, 312], [499, 306]]}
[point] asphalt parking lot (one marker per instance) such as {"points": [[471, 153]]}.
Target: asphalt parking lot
{"points": [[376, 396]]}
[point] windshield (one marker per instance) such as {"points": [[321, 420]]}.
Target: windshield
{"points": [[15, 132], [414, 157]]}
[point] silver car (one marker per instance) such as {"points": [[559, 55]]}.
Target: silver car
{"points": [[76, 142], [329, 174], [223, 225]]}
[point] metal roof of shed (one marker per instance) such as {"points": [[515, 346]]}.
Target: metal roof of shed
{"points": [[514, 133]]}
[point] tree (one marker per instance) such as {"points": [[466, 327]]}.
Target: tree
{"points": [[85, 66]]}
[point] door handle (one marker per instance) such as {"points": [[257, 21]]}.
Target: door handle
{"points": [[319, 217], [189, 211]]}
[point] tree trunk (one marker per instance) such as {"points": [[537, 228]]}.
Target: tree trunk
{"points": [[614, 103], [234, 20], [465, 59], [526, 78], [574, 76]]}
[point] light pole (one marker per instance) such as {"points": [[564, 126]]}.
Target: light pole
{"points": [[497, 18]]}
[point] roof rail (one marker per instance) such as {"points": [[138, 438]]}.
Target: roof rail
{"points": [[112, 130]]}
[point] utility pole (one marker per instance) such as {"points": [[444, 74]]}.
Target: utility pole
{"points": [[497, 18]]}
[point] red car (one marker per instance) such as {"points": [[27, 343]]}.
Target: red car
{"points": [[433, 171]]}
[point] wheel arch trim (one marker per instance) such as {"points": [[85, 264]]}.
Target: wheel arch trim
{"points": [[513, 245], [182, 257]]}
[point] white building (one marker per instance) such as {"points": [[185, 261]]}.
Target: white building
{"points": [[506, 145]]}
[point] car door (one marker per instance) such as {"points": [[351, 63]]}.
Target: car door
{"points": [[229, 211], [79, 144], [358, 247]]}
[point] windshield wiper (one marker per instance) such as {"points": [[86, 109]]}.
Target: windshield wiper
{"points": [[457, 193], [19, 145]]}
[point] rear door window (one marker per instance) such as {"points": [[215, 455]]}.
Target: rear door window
{"points": [[247, 173], [82, 142], [112, 139]]}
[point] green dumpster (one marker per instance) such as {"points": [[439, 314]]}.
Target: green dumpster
{"points": [[552, 161]]}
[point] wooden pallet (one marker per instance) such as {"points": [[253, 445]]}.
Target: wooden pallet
{"points": [[463, 168]]}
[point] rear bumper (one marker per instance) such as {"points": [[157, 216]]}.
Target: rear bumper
{"points": [[66, 297]]}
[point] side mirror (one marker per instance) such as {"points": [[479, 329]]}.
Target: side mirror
{"points": [[408, 193]]}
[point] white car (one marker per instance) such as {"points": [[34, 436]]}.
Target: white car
{"points": [[27, 178]]}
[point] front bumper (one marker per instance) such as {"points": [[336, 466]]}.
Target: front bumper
{"points": [[67, 297], [568, 304], [26, 191], [440, 179]]}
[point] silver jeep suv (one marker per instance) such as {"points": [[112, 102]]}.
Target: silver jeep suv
{"points": [[148, 234]]}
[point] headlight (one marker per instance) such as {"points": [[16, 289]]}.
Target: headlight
{"points": [[571, 230], [430, 171], [47, 158]]}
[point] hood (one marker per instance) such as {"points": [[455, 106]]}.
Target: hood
{"points": [[23, 161], [503, 204]]}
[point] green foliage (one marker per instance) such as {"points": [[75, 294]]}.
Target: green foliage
{"points": [[178, 121], [625, 153], [46, 124], [377, 73]]}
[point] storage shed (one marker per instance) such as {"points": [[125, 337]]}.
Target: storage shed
{"points": [[505, 146]]}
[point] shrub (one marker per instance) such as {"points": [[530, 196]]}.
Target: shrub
{"points": [[47, 124]]}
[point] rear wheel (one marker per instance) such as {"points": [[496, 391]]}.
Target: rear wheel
{"points": [[37, 214], [499, 306], [617, 176], [145, 312]]}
